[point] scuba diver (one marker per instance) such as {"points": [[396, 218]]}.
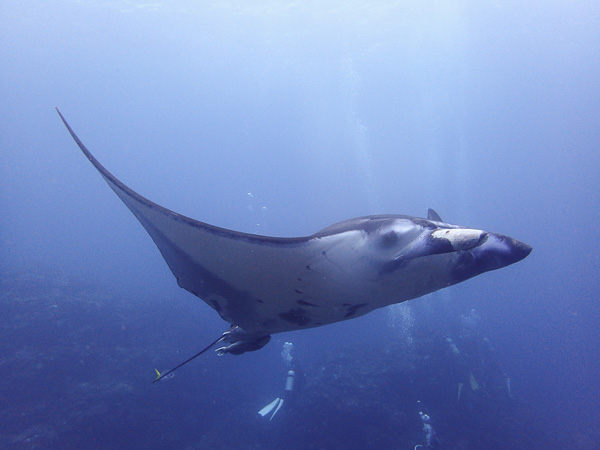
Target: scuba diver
{"points": [[476, 366], [293, 382], [462, 370], [431, 440]]}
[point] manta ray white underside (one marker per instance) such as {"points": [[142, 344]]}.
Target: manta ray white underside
{"points": [[264, 285]]}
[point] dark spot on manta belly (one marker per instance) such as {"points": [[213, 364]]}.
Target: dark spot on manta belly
{"points": [[354, 309], [297, 291], [305, 303], [297, 316]]}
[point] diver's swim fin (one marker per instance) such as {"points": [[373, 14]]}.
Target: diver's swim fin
{"points": [[277, 409], [272, 407], [473, 382], [269, 408]]}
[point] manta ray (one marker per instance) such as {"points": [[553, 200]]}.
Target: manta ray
{"points": [[263, 285]]}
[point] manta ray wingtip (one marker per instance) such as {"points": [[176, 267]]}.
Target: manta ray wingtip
{"points": [[63, 118]]}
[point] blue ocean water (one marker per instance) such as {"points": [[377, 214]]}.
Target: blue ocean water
{"points": [[281, 118]]}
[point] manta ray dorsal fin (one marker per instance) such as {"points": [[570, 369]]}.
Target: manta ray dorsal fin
{"points": [[432, 215]]}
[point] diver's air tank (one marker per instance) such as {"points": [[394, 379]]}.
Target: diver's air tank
{"points": [[289, 381]]}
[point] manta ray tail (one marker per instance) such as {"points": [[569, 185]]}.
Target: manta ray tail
{"points": [[160, 376]]}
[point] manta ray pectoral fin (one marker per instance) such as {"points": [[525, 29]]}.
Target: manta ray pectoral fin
{"points": [[222, 267]]}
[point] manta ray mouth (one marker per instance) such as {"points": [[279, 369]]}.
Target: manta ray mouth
{"points": [[518, 250], [506, 249], [496, 252]]}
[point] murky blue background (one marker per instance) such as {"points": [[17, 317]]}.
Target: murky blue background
{"points": [[281, 118]]}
